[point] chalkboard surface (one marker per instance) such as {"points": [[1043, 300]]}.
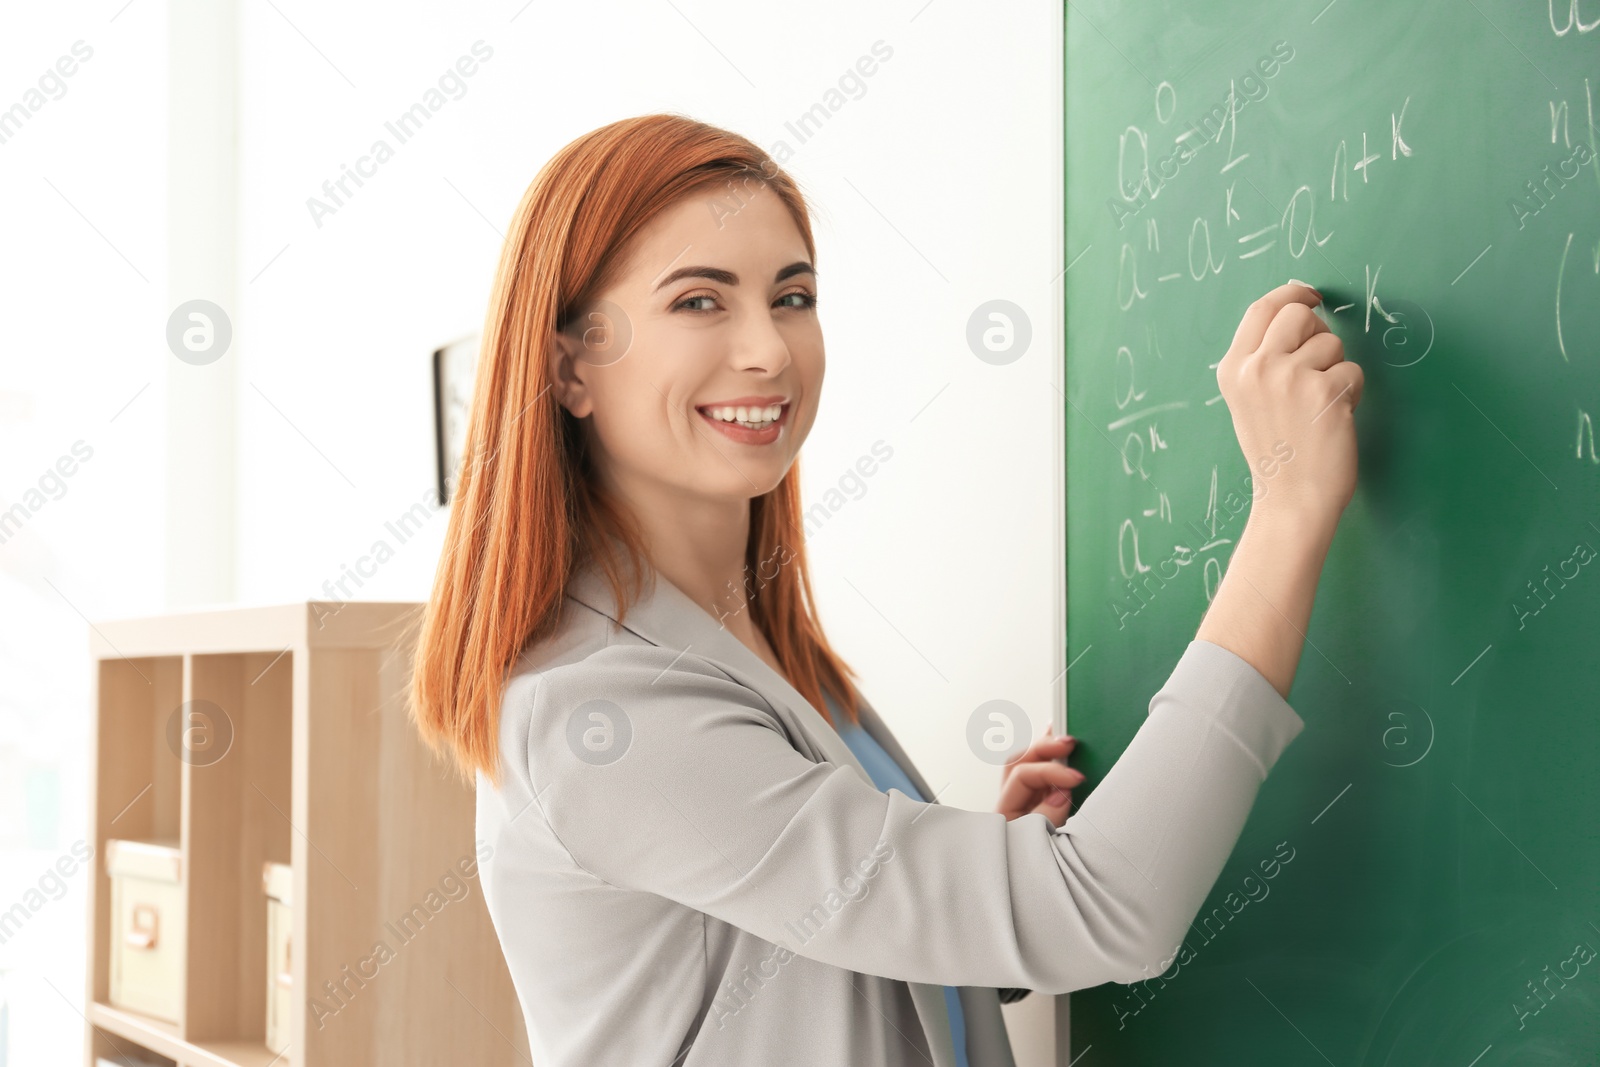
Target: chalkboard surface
{"points": [[1419, 882]]}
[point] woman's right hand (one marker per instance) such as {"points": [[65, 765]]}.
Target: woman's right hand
{"points": [[1292, 397]]}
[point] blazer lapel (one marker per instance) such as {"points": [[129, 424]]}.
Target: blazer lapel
{"points": [[668, 617]]}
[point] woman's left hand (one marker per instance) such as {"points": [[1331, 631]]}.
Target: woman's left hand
{"points": [[1035, 781]]}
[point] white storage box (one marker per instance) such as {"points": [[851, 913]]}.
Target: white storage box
{"points": [[277, 881], [147, 927]]}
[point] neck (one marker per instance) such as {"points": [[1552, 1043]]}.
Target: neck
{"points": [[698, 544]]}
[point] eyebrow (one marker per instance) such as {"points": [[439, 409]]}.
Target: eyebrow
{"points": [[727, 277]]}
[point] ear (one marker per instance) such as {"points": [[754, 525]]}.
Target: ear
{"points": [[567, 371]]}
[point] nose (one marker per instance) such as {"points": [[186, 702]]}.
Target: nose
{"points": [[758, 344]]}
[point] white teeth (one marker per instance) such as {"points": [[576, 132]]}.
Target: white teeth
{"points": [[752, 418]]}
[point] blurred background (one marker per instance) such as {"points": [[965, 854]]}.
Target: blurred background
{"points": [[193, 153]]}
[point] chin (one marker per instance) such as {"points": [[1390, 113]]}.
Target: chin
{"points": [[748, 483]]}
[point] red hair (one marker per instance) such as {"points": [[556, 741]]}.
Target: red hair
{"points": [[527, 510]]}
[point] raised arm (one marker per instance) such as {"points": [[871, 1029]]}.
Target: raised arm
{"points": [[1292, 396]]}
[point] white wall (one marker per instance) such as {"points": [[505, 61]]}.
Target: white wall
{"points": [[82, 443]]}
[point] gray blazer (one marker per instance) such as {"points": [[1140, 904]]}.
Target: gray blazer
{"points": [[688, 866]]}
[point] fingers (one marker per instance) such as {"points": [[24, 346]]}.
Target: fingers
{"points": [[1046, 748], [1321, 351], [1259, 315], [1055, 807], [1028, 781], [1291, 327], [1349, 380]]}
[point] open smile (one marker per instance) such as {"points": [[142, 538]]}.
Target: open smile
{"points": [[750, 420]]}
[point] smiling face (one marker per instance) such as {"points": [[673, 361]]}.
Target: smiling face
{"points": [[697, 373]]}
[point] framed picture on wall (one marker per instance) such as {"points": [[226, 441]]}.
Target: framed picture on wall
{"points": [[454, 367]]}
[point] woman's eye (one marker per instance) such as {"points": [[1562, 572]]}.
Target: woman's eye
{"points": [[801, 300], [692, 299], [807, 299]]}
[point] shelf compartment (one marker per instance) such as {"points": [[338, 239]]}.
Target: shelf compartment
{"points": [[138, 776], [236, 817]]}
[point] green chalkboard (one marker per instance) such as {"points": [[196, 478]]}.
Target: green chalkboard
{"points": [[1419, 882]]}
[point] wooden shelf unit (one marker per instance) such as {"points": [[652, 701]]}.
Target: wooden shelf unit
{"points": [[303, 754]]}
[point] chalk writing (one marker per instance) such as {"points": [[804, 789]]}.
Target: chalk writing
{"points": [[1573, 20]]}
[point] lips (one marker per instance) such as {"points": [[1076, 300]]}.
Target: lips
{"points": [[744, 434]]}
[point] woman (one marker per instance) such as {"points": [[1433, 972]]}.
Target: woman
{"points": [[697, 857]]}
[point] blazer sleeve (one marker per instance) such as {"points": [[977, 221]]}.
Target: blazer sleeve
{"points": [[658, 773]]}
